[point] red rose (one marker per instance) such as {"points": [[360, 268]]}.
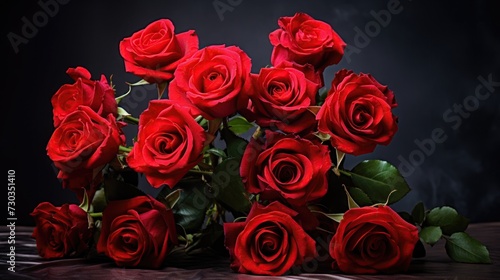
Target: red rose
{"points": [[169, 143], [154, 52], [282, 95], [371, 240], [61, 231], [98, 95], [269, 242], [357, 113], [84, 141], [212, 81], [303, 39], [137, 232], [290, 166]]}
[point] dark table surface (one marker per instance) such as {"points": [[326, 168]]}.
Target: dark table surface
{"points": [[435, 265]]}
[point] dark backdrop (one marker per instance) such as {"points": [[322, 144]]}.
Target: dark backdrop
{"points": [[433, 55]]}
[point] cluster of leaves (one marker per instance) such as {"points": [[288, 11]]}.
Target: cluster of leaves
{"points": [[446, 223]]}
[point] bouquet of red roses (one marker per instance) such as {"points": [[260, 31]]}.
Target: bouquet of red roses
{"points": [[252, 163]]}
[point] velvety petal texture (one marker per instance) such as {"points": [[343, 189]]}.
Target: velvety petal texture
{"points": [[212, 81], [357, 113], [269, 242], [153, 53], [98, 95], [169, 143], [82, 144], [373, 240], [305, 40], [281, 96], [84, 140], [289, 166]]}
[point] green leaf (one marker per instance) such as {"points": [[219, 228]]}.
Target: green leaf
{"points": [[360, 197], [122, 112], [162, 195], [418, 213], [235, 145], [85, 204], [239, 125], [337, 217], [321, 96], [217, 152], [189, 211], [227, 186], [99, 201], [350, 201], [430, 235], [322, 136], [461, 247], [447, 218], [340, 156], [172, 198], [378, 179]]}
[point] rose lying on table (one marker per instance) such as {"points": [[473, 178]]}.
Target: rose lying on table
{"points": [[137, 232], [269, 242], [371, 240], [140, 232]]}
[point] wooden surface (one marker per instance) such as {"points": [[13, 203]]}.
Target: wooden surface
{"points": [[435, 265]]}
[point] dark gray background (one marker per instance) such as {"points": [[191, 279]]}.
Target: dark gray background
{"points": [[430, 54]]}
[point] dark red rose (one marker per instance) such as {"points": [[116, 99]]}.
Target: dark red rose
{"points": [[169, 143], [61, 232], [98, 95], [372, 240], [269, 242], [137, 232], [212, 80], [281, 97], [304, 40], [357, 113], [84, 140], [293, 167], [154, 52]]}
